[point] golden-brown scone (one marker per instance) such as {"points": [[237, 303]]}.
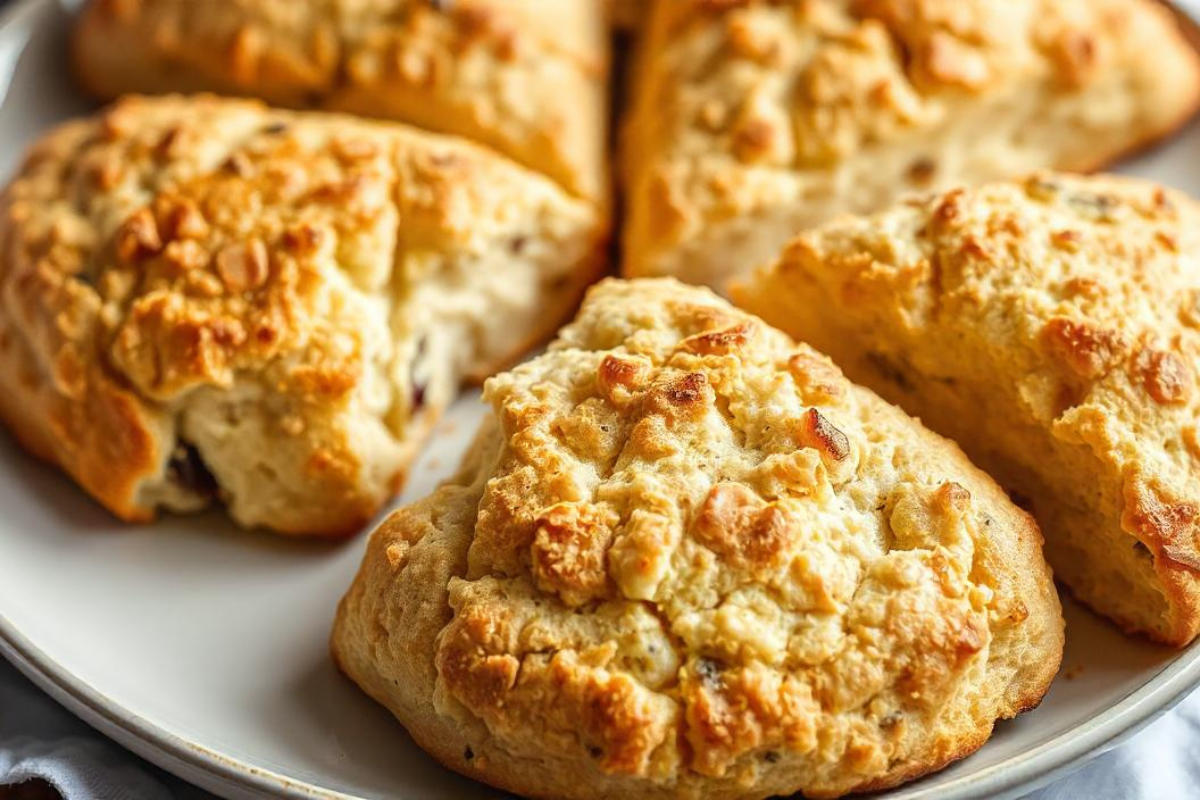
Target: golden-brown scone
{"points": [[205, 298], [754, 120], [528, 78], [1051, 327], [625, 14], [687, 558]]}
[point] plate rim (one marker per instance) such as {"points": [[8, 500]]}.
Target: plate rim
{"points": [[219, 773], [185, 759], [222, 774], [189, 761]]}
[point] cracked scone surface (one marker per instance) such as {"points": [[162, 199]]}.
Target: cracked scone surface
{"points": [[754, 120], [686, 557], [204, 298], [1052, 328], [528, 78]]}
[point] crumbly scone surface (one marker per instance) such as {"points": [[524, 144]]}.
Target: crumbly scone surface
{"points": [[527, 77], [702, 558], [786, 113], [1068, 310], [258, 284]]}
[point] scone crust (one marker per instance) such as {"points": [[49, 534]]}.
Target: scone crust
{"points": [[1064, 314], [527, 78], [753, 120], [625, 15], [656, 575], [198, 291]]}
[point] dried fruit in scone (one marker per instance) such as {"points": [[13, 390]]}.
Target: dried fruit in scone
{"points": [[208, 299], [754, 120], [1051, 327], [527, 78], [686, 557]]}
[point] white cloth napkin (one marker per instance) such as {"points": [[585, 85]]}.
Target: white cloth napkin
{"points": [[1161, 762], [39, 739]]}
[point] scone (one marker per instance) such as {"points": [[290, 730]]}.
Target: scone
{"points": [[625, 15], [208, 299], [1051, 327], [755, 120], [528, 78], [687, 558]]}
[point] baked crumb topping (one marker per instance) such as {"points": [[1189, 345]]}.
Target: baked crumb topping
{"points": [[701, 550]]}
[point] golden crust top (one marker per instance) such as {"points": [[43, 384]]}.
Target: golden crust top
{"points": [[1082, 292], [625, 15], [742, 106], [528, 78], [239, 276], [696, 556]]}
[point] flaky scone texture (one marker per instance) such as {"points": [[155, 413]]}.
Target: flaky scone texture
{"points": [[687, 558], [208, 299], [756, 119], [1051, 327], [526, 77]]}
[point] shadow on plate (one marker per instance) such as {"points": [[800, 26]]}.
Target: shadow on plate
{"points": [[339, 723]]}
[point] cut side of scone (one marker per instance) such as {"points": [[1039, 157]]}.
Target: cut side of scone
{"points": [[205, 299], [1052, 328], [753, 121], [687, 558], [527, 78]]}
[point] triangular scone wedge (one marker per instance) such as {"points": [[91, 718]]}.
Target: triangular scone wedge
{"points": [[208, 298], [528, 78], [1051, 327], [752, 121], [687, 558]]}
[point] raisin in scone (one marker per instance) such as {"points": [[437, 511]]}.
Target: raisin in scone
{"points": [[687, 558], [754, 120], [1051, 327], [208, 299], [527, 78]]}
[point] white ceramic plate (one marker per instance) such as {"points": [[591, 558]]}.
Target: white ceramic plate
{"points": [[203, 648]]}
